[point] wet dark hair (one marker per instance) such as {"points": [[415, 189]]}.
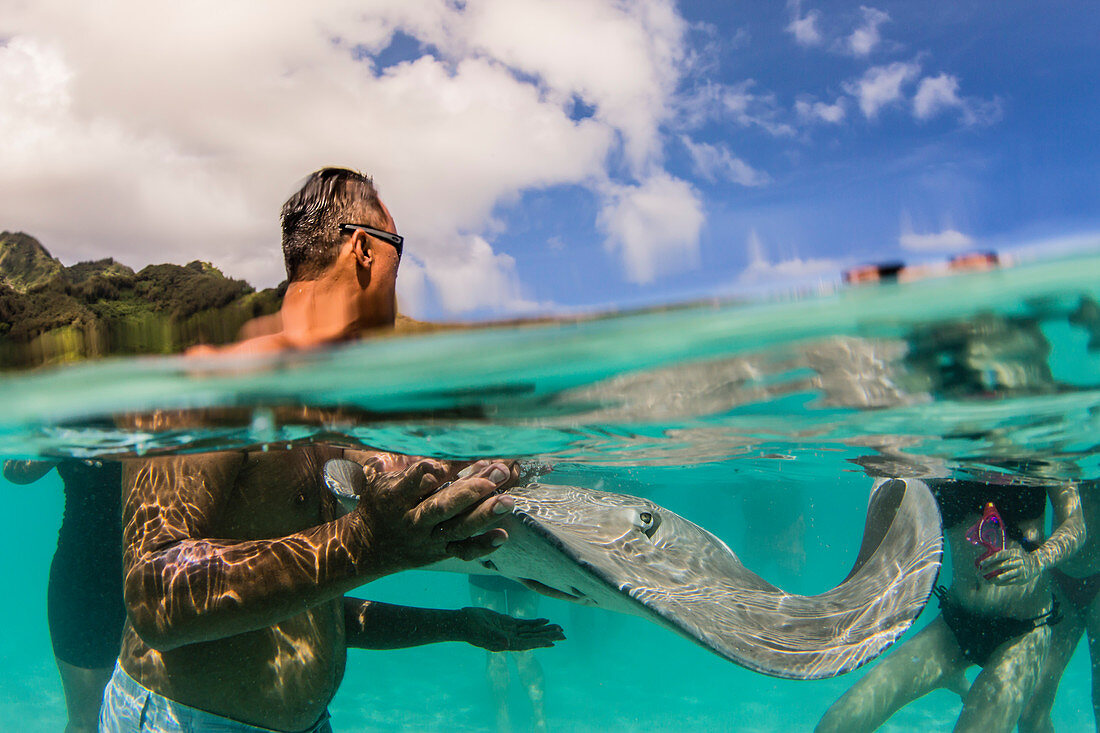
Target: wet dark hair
{"points": [[312, 216]]}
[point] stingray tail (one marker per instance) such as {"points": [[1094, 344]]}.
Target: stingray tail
{"points": [[752, 623], [888, 586]]}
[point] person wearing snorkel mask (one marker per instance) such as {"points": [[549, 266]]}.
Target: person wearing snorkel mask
{"points": [[997, 614]]}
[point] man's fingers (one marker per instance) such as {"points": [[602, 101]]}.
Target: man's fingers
{"points": [[421, 478], [552, 632], [479, 546], [452, 500], [545, 638], [509, 633], [473, 469], [482, 517], [461, 495], [373, 467]]}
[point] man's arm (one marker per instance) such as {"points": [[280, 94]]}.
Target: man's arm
{"points": [[183, 586], [373, 625], [274, 343]]}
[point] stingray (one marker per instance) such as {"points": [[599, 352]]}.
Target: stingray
{"points": [[626, 554]]}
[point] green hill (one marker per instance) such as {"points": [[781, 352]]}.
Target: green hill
{"points": [[51, 313], [81, 271], [24, 263]]}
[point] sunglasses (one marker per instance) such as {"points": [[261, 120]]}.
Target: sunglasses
{"points": [[396, 240]]}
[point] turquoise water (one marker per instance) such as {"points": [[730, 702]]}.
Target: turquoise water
{"points": [[762, 422]]}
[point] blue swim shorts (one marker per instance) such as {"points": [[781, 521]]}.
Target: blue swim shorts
{"points": [[130, 708]]}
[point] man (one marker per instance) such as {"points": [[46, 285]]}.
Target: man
{"points": [[236, 564], [341, 252]]}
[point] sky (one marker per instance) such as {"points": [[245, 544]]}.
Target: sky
{"points": [[557, 155]]}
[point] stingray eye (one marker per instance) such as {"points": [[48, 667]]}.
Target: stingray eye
{"points": [[648, 523]]}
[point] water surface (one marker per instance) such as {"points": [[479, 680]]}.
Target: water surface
{"points": [[763, 422]]}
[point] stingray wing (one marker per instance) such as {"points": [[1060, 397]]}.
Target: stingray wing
{"points": [[688, 580]]}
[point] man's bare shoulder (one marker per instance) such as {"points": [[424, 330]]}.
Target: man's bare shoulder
{"points": [[187, 485], [212, 463], [261, 326]]}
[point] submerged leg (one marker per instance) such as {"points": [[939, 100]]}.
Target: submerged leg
{"points": [[496, 663], [83, 695], [523, 603], [1092, 625], [928, 661], [997, 696], [1065, 636]]}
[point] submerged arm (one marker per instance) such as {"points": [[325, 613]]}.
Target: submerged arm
{"points": [[1069, 534], [183, 586], [1019, 566], [373, 625]]}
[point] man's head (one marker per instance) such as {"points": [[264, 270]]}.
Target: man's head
{"points": [[315, 241]]}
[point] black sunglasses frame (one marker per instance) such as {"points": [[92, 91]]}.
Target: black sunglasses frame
{"points": [[396, 240]]}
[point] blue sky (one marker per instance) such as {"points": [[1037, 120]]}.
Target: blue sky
{"points": [[558, 155]]}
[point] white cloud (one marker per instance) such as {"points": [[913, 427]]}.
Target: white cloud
{"points": [[881, 85], [814, 111], [804, 27], [472, 276], [947, 240], [937, 94], [791, 273], [934, 94], [716, 162], [119, 139], [654, 226], [741, 39], [749, 109], [412, 287], [624, 58], [866, 37]]}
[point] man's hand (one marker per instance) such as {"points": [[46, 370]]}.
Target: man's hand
{"points": [[1013, 567], [416, 517], [499, 633]]}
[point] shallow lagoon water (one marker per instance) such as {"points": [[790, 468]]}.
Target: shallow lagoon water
{"points": [[762, 422]]}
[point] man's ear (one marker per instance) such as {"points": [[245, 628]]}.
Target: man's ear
{"points": [[361, 250]]}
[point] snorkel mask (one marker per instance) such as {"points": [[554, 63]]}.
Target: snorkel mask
{"points": [[989, 532]]}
